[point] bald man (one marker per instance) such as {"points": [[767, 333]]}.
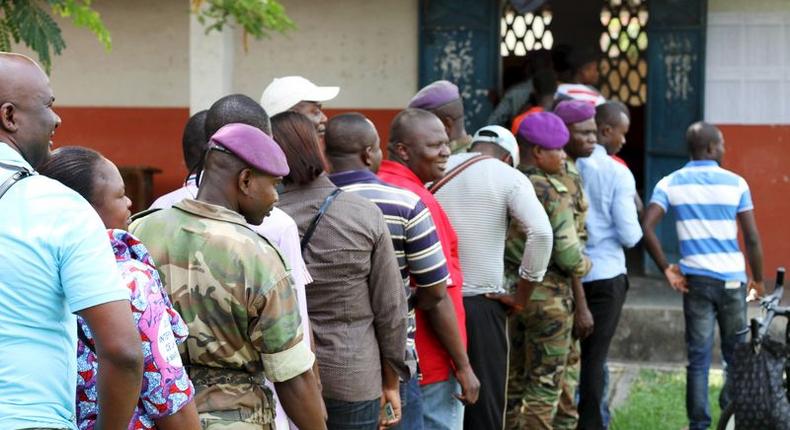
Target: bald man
{"points": [[352, 147], [418, 151], [56, 262]]}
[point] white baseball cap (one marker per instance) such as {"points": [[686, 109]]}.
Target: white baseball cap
{"points": [[500, 136], [286, 92]]}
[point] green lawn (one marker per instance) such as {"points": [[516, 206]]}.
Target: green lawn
{"points": [[657, 402]]}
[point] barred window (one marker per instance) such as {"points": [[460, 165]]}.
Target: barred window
{"points": [[624, 44], [521, 33]]}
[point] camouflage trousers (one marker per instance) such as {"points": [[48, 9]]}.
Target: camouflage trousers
{"points": [[229, 420], [544, 362], [229, 399]]}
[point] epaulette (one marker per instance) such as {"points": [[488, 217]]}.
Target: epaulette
{"points": [[548, 178], [557, 184], [142, 214]]}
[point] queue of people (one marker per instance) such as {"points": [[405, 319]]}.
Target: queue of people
{"points": [[300, 280]]}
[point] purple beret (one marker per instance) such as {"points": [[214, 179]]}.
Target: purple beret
{"points": [[544, 129], [252, 146], [573, 111], [434, 95]]}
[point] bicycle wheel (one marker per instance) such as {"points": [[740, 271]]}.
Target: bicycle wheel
{"points": [[727, 418]]}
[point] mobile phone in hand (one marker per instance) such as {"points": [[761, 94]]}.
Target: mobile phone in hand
{"points": [[387, 413]]}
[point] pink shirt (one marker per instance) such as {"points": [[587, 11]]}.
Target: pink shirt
{"points": [[281, 229]]}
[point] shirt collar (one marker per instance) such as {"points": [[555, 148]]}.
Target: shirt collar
{"points": [[397, 169], [701, 163], [208, 210], [570, 166], [341, 179], [9, 156], [599, 150]]}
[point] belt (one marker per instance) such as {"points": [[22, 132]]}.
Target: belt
{"points": [[207, 376]]}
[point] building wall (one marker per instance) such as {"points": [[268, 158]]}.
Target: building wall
{"points": [[131, 103], [367, 48], [747, 95]]}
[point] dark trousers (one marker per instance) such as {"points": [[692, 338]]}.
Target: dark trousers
{"points": [[352, 415], [710, 301], [487, 346], [605, 299]]}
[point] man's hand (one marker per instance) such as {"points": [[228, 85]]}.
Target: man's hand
{"points": [[583, 323], [676, 279], [470, 386], [755, 290], [392, 397], [509, 300]]}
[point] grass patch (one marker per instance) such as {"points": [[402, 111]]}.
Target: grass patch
{"points": [[657, 400]]}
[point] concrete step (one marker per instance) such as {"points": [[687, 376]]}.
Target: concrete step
{"points": [[651, 328]]}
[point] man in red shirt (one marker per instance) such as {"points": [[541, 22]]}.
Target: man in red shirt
{"points": [[418, 153]]}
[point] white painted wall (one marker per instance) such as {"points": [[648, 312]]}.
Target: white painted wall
{"points": [[148, 64], [747, 68], [368, 48]]}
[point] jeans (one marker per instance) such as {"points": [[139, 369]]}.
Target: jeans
{"points": [[411, 406], [707, 302], [441, 410], [352, 415]]}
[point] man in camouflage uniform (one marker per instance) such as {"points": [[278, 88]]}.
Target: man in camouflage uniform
{"points": [[540, 386], [233, 289], [443, 99]]}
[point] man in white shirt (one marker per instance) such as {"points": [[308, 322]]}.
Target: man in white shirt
{"points": [[480, 199]]}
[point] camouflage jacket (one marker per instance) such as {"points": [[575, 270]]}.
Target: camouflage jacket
{"points": [[566, 209], [235, 293]]}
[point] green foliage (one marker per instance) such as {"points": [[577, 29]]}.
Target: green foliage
{"points": [[657, 400], [256, 17], [30, 22]]}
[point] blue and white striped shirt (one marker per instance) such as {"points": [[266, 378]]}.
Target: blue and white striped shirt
{"points": [[706, 200]]}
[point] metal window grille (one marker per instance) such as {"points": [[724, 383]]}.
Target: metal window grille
{"points": [[624, 44], [522, 33]]}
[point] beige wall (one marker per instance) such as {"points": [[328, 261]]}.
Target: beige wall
{"points": [[148, 64], [368, 48]]}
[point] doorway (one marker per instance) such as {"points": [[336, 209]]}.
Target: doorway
{"points": [[617, 31]]}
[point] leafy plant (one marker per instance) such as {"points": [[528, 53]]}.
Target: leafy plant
{"points": [[256, 17], [31, 22]]}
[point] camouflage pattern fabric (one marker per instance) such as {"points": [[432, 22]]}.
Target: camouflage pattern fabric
{"points": [[544, 356], [463, 144], [234, 291]]}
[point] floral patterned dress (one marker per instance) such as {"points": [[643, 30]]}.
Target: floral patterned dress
{"points": [[166, 387]]}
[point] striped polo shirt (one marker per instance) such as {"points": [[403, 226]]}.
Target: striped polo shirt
{"points": [[706, 200], [417, 246]]}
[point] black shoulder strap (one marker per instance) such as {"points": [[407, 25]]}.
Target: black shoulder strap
{"points": [[21, 173], [308, 234]]}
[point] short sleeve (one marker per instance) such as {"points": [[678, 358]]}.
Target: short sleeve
{"points": [[276, 332], [88, 272], [423, 249], [745, 204], [660, 196]]}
